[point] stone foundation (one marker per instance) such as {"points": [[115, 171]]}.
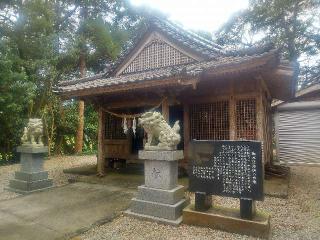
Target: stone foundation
{"points": [[161, 199], [31, 177]]}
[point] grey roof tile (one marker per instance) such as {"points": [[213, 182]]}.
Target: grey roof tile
{"points": [[214, 54], [191, 69]]}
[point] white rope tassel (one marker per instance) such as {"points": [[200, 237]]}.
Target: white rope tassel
{"points": [[134, 125], [125, 127]]}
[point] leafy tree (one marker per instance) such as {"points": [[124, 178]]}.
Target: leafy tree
{"points": [[96, 43], [67, 127], [31, 28], [292, 25], [51, 41], [15, 98]]}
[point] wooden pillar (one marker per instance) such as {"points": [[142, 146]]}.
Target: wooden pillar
{"points": [[260, 124], [165, 109], [266, 120], [260, 110], [186, 132], [101, 133]]}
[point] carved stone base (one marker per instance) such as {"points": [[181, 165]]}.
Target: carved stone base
{"points": [[160, 199], [31, 177], [159, 148], [156, 209], [25, 187]]}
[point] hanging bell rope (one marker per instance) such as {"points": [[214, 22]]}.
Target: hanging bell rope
{"points": [[130, 116]]}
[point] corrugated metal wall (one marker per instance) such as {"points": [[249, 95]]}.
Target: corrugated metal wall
{"points": [[297, 128]]}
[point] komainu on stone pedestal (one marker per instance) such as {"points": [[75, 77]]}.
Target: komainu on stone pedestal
{"points": [[160, 135], [31, 177], [33, 132], [160, 199]]}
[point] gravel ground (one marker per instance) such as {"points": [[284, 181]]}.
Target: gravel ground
{"points": [[297, 217], [54, 165]]}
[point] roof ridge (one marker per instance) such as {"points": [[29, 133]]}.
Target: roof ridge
{"points": [[251, 50], [209, 45], [188, 31]]}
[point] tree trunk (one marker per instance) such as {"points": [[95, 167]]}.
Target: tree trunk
{"points": [[79, 137]]}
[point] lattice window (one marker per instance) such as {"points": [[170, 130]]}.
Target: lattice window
{"points": [[113, 129], [156, 55], [210, 121], [246, 119]]}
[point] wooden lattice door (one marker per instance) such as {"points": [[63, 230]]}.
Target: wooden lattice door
{"points": [[210, 121], [246, 119], [117, 145]]}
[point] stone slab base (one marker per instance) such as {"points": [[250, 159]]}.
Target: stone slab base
{"points": [[154, 219], [29, 177], [228, 219], [162, 155], [160, 195], [26, 192], [160, 210], [24, 187], [32, 148]]}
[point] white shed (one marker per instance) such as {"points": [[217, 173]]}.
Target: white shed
{"points": [[297, 129]]}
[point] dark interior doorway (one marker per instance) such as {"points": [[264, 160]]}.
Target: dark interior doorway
{"points": [[176, 114]]}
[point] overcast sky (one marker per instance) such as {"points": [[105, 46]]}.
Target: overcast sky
{"points": [[206, 15]]}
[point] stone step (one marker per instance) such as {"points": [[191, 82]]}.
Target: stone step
{"points": [[160, 195], [175, 222], [26, 186], [29, 177], [160, 210]]}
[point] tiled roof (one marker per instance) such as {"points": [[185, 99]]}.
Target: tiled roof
{"points": [[188, 38], [216, 59], [206, 48], [226, 64]]}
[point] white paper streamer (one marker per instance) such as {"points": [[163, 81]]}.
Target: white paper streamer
{"points": [[125, 127], [134, 126]]}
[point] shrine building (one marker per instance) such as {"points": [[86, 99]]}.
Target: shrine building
{"points": [[215, 94]]}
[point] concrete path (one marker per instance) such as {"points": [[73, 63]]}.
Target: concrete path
{"points": [[62, 212]]}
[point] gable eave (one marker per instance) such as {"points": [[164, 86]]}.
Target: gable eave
{"points": [[150, 35]]}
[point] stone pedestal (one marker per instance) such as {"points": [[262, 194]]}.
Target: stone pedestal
{"points": [[161, 198], [31, 177]]}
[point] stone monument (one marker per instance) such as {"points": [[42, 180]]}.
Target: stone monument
{"points": [[230, 169], [160, 198], [31, 177]]}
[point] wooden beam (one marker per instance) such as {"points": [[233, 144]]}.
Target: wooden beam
{"points": [[186, 131], [138, 85], [264, 86], [101, 131], [141, 102], [165, 109], [191, 99], [260, 123]]}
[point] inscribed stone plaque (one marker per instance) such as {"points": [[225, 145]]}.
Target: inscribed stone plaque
{"points": [[227, 168]]}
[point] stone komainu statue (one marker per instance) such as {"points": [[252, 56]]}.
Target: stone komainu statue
{"points": [[33, 132], [160, 135]]}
